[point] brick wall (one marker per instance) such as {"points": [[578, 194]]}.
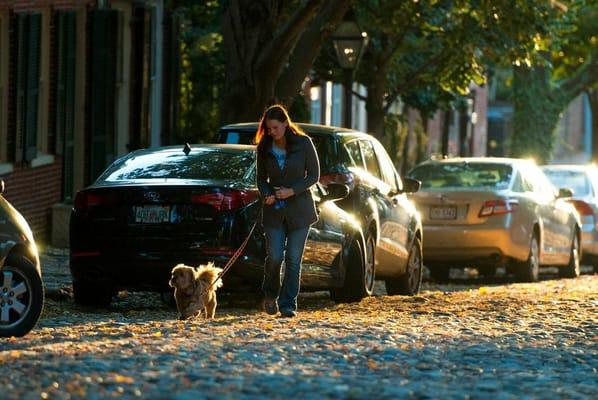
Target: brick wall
{"points": [[33, 191]]}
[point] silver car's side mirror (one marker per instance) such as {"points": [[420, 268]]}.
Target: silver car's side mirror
{"points": [[565, 193]]}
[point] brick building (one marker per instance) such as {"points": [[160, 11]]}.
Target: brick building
{"points": [[81, 83]]}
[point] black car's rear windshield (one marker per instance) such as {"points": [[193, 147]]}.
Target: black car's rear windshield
{"points": [[324, 145], [575, 180], [463, 175], [199, 164]]}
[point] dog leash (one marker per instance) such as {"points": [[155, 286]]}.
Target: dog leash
{"points": [[232, 260]]}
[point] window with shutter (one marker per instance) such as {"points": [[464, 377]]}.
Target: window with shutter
{"points": [[140, 78], [65, 97], [27, 85], [21, 80], [103, 36], [32, 91], [3, 78]]}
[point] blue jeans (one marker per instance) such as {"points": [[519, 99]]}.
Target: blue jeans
{"points": [[277, 240]]}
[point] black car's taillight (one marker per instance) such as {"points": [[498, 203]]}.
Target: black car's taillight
{"points": [[84, 201], [226, 200]]}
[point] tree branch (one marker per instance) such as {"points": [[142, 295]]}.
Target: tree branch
{"points": [[309, 46], [585, 76], [275, 53]]}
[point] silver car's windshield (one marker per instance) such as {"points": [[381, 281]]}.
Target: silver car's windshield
{"points": [[463, 175], [575, 180]]}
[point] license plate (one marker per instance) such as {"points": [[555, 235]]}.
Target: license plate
{"points": [[443, 212], [152, 214]]}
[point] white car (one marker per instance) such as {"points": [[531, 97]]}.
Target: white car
{"points": [[583, 180]]}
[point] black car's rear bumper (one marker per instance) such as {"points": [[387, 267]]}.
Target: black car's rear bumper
{"points": [[149, 271]]}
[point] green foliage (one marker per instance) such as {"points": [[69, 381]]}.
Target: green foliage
{"points": [[565, 66], [433, 50], [202, 69]]}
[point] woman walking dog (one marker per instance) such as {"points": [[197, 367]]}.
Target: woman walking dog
{"points": [[287, 167]]}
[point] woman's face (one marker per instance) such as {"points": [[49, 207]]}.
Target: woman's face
{"points": [[276, 129]]}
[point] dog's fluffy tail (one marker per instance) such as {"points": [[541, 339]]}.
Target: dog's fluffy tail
{"points": [[208, 273]]}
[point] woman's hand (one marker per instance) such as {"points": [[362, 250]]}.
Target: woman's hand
{"points": [[269, 200], [284, 193]]}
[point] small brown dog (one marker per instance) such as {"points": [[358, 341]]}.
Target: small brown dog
{"points": [[191, 291]]}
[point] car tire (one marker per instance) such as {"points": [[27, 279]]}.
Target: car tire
{"points": [[529, 270], [487, 271], [572, 269], [90, 294], [410, 282], [370, 264], [440, 274], [354, 286], [21, 296]]}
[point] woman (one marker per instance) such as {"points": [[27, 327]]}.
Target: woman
{"points": [[287, 167]]}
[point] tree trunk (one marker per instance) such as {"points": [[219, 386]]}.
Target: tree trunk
{"points": [[374, 105], [464, 150], [406, 143], [593, 99], [535, 113], [446, 129], [308, 48], [537, 106], [422, 138], [257, 53]]}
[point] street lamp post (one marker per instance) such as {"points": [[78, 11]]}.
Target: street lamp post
{"points": [[349, 43]]}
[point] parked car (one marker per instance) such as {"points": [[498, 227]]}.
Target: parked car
{"points": [[21, 287], [583, 180], [155, 208], [377, 198], [490, 212]]}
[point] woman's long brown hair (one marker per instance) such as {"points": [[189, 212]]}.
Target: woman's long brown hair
{"points": [[279, 113]]}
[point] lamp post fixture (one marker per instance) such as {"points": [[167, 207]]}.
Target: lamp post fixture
{"points": [[349, 43]]}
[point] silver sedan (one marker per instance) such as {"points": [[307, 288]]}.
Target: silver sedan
{"points": [[583, 180], [490, 212]]}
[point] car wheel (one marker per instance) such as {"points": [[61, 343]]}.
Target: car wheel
{"points": [[529, 270], [90, 294], [21, 296], [410, 282], [354, 287], [572, 270], [370, 264], [487, 271]]}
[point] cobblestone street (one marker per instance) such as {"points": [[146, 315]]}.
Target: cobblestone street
{"points": [[467, 339]]}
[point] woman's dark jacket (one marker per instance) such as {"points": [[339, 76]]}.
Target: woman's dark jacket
{"points": [[301, 171]]}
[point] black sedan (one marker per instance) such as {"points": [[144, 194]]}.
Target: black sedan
{"points": [[155, 208]]}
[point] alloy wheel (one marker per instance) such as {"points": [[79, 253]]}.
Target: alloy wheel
{"points": [[369, 264], [414, 268], [575, 255], [15, 300]]}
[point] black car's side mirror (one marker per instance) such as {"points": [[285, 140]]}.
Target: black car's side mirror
{"points": [[335, 191], [410, 185], [1, 186], [565, 193]]}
